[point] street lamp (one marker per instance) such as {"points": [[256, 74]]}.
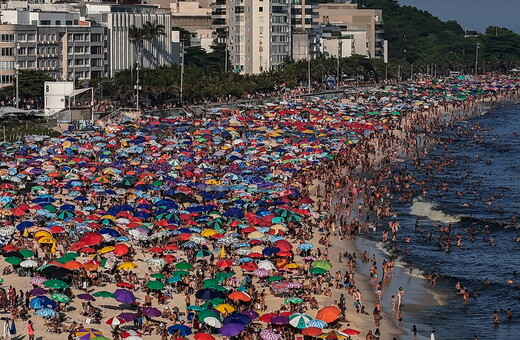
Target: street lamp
{"points": [[137, 86], [182, 69], [16, 69]]}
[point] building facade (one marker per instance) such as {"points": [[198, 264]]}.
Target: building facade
{"points": [[79, 42]]}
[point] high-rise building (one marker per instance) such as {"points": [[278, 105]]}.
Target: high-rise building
{"points": [[259, 34], [370, 20], [79, 41]]}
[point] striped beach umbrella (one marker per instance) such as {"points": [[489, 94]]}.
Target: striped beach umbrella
{"points": [[269, 334], [37, 280], [299, 320], [88, 333], [46, 312]]}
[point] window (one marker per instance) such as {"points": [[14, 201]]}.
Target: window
{"points": [[31, 50], [45, 22], [68, 22], [31, 37], [6, 65], [260, 9], [30, 63], [261, 19], [58, 22], [22, 37], [6, 37], [7, 51], [6, 79]]}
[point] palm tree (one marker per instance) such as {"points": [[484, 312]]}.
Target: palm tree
{"points": [[137, 35], [152, 30]]}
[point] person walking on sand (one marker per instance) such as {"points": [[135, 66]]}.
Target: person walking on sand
{"points": [[7, 330], [432, 336], [30, 330]]}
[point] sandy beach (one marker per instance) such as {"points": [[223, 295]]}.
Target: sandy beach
{"points": [[323, 203]]}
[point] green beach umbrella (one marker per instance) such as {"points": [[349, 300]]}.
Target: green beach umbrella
{"points": [[56, 284], [60, 297], [223, 276], [100, 338], [158, 276], [203, 253], [184, 266], [299, 320], [13, 260], [26, 253], [293, 300], [50, 208], [324, 264], [274, 278], [210, 283], [1, 281], [103, 294], [317, 270], [155, 285], [195, 308], [180, 273]]}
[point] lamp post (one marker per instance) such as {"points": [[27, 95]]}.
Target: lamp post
{"points": [[17, 69], [182, 70], [309, 69], [340, 45], [137, 86]]}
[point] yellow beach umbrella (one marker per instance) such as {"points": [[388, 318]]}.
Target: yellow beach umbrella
{"points": [[225, 308], [208, 232], [105, 250], [127, 266]]}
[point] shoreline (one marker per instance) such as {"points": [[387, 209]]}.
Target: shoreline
{"points": [[421, 294]]}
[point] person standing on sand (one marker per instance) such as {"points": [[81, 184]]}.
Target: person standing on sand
{"points": [[30, 330], [399, 296], [432, 336]]}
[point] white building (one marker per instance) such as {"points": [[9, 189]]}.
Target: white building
{"points": [[259, 34]]}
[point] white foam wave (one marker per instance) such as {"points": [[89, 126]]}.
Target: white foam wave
{"points": [[428, 210]]}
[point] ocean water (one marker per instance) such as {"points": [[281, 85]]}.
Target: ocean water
{"points": [[476, 188]]}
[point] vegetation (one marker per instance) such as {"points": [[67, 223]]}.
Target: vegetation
{"points": [[417, 37]]}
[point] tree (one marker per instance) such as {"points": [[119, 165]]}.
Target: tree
{"points": [[30, 85]]}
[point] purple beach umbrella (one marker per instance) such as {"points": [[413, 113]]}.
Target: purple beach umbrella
{"points": [[279, 320], [38, 291], [151, 312], [250, 313], [124, 296], [127, 316], [86, 297], [231, 329]]}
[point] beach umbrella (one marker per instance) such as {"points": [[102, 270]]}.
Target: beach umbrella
{"points": [[203, 336], [225, 308], [128, 317], [26, 253], [239, 296], [88, 333], [328, 314], [279, 320], [127, 266], [15, 261], [334, 335], [151, 312], [269, 334], [100, 338], [208, 294], [317, 323], [299, 320], [250, 313], [305, 246], [312, 331], [115, 320], [182, 329], [46, 312], [317, 270], [184, 266], [155, 285], [42, 302], [60, 297], [350, 331], [231, 329], [124, 296], [86, 297], [103, 294], [37, 280], [38, 291], [28, 264], [55, 284], [324, 264], [130, 333]]}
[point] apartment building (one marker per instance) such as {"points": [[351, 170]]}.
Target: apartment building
{"points": [[57, 43], [79, 41], [370, 20], [259, 34]]}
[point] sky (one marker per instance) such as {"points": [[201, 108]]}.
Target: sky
{"points": [[473, 15]]}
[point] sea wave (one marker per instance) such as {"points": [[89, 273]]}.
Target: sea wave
{"points": [[430, 211]]}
